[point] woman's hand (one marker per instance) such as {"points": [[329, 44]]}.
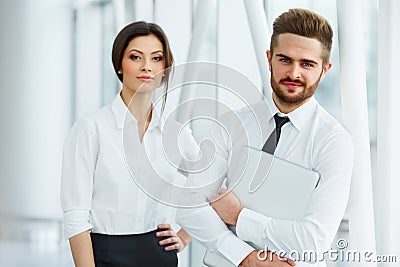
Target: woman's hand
{"points": [[173, 240]]}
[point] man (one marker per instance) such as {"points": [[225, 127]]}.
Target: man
{"points": [[298, 60]]}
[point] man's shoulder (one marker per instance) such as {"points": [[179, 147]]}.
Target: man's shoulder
{"points": [[329, 128], [327, 120]]}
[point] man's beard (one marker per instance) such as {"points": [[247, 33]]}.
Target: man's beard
{"points": [[308, 91]]}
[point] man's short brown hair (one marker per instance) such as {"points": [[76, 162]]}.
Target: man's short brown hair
{"points": [[305, 23]]}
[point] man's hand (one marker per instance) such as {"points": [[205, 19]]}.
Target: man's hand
{"points": [[256, 259], [227, 205]]}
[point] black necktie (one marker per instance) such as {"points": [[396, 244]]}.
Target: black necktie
{"points": [[273, 139]]}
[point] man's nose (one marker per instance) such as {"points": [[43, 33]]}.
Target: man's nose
{"points": [[294, 72]]}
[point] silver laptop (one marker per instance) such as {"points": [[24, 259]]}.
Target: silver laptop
{"points": [[268, 185]]}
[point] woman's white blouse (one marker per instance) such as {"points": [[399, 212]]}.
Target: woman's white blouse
{"points": [[98, 191]]}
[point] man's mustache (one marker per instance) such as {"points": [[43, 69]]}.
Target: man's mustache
{"points": [[292, 81]]}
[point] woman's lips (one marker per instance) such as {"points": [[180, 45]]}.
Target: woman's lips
{"points": [[145, 78]]}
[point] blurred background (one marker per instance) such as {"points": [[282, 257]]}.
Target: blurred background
{"points": [[55, 62]]}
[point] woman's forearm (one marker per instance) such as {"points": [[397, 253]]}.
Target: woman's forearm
{"points": [[82, 251], [185, 237]]}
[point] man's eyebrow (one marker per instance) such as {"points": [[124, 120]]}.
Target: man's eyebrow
{"points": [[305, 60], [282, 55], [302, 60]]}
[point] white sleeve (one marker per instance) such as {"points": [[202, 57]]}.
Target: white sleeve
{"points": [[78, 167], [202, 222], [324, 212]]}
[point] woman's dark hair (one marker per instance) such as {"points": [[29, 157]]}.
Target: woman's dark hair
{"points": [[142, 28]]}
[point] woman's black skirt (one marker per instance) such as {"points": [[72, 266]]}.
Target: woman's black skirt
{"points": [[131, 251]]}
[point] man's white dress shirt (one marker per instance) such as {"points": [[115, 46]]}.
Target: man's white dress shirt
{"points": [[98, 191], [312, 139]]}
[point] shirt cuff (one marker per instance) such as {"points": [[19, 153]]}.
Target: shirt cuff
{"points": [[76, 222], [250, 226], [234, 249]]}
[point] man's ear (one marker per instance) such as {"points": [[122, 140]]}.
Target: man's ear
{"points": [[269, 57], [325, 69]]}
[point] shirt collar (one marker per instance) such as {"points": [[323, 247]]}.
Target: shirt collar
{"points": [[124, 117], [299, 116]]}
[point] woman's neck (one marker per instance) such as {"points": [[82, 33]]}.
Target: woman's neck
{"points": [[138, 104]]}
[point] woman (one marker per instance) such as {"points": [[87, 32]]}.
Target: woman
{"points": [[108, 220]]}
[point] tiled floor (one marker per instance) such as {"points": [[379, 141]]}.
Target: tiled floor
{"points": [[33, 243], [24, 254]]}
